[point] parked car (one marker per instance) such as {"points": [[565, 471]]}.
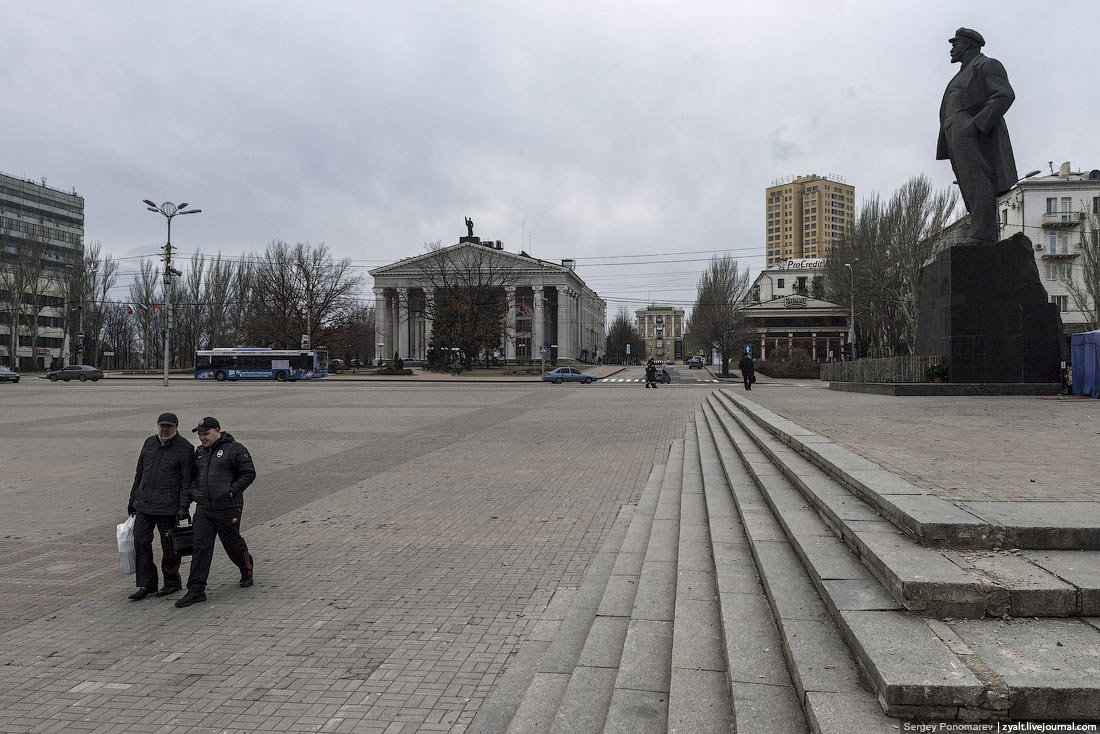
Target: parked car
{"points": [[695, 362], [80, 372], [664, 376], [7, 375], [568, 374]]}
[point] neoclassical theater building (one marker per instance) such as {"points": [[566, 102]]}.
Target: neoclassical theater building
{"points": [[548, 304]]}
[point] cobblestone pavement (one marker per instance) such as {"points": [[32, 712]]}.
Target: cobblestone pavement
{"points": [[406, 536], [987, 448]]}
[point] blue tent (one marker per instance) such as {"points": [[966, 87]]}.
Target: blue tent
{"points": [[1085, 352]]}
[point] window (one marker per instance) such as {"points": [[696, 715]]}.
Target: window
{"points": [[1053, 243], [1066, 204], [1065, 243], [1004, 216], [779, 282], [1062, 302], [1067, 271], [1096, 205], [1052, 206], [1052, 271]]}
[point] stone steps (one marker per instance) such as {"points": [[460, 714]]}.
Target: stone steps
{"points": [[1030, 525], [936, 581], [782, 644], [820, 593]]}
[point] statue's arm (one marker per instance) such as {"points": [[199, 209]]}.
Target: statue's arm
{"points": [[1000, 98]]}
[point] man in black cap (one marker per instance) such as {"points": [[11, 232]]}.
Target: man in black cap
{"points": [[223, 470], [159, 496], [973, 133]]}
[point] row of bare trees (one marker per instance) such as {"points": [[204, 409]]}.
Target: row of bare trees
{"points": [[623, 334], [717, 316], [272, 298]]}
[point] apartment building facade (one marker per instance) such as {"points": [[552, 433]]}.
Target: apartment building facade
{"points": [[41, 250], [662, 328], [805, 216]]}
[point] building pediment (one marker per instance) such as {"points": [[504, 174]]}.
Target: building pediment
{"points": [[411, 267]]}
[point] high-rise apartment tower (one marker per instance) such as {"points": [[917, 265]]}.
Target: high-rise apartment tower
{"points": [[806, 215]]}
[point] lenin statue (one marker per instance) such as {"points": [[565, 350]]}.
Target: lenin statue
{"points": [[973, 133]]}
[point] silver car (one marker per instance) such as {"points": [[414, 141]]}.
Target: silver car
{"points": [[80, 372]]}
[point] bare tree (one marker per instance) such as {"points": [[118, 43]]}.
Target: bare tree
{"points": [[717, 317], [217, 294], [886, 250], [299, 289], [623, 333], [90, 293], [1086, 293], [143, 291], [464, 296]]}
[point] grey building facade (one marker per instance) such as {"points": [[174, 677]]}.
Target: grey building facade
{"points": [[41, 233]]}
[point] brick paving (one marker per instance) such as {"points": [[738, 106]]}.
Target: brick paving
{"points": [[407, 538], [981, 448]]}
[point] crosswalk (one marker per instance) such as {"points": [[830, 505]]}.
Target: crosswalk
{"points": [[641, 379]]}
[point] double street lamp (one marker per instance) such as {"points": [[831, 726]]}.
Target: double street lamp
{"points": [[168, 210]]}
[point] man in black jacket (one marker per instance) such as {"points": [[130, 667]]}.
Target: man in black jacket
{"points": [[160, 495], [223, 470], [748, 370]]}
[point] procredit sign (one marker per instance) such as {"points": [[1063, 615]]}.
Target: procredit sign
{"points": [[792, 264]]}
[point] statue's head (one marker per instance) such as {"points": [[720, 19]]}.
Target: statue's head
{"points": [[965, 43]]}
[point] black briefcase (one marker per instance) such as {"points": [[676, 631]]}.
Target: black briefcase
{"points": [[181, 539]]}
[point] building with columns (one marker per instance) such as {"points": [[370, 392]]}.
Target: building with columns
{"points": [[547, 304]]}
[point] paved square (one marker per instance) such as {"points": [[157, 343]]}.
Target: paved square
{"points": [[407, 538]]}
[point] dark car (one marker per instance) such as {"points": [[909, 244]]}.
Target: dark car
{"points": [[7, 375], [663, 376], [695, 362], [80, 372]]}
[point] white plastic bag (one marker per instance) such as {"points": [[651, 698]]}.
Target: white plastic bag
{"points": [[124, 533]]}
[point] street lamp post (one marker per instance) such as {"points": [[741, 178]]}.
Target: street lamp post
{"points": [[852, 321], [168, 210]]}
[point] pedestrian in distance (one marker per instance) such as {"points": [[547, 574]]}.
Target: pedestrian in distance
{"points": [[159, 497], [748, 370], [651, 374], [223, 470]]}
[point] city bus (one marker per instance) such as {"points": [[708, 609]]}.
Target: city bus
{"points": [[260, 363]]}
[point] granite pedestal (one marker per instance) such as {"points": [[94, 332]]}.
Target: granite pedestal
{"points": [[984, 309]]}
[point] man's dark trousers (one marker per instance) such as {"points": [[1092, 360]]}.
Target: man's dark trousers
{"points": [[143, 551], [226, 525], [747, 377]]}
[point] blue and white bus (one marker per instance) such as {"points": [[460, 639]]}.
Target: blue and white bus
{"points": [[259, 363]]}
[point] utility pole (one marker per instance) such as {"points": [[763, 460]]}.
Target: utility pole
{"points": [[852, 322], [168, 210]]}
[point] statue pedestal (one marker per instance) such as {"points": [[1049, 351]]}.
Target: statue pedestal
{"points": [[469, 238], [985, 311]]}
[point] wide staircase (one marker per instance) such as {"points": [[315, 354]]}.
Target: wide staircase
{"points": [[770, 580]]}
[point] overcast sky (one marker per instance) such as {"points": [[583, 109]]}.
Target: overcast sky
{"points": [[588, 129]]}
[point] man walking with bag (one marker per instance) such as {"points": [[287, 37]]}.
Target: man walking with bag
{"points": [[159, 496], [223, 470]]}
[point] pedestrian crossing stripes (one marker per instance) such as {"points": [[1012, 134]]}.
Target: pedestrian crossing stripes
{"points": [[640, 379]]}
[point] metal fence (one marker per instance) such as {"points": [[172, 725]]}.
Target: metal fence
{"points": [[887, 369]]}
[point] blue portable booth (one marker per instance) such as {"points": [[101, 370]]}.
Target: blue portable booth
{"points": [[1085, 353]]}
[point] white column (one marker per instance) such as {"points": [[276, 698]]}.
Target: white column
{"points": [[403, 322], [381, 316], [538, 327], [510, 323], [571, 323]]}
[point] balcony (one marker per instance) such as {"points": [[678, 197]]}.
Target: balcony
{"points": [[1049, 256], [1059, 220]]}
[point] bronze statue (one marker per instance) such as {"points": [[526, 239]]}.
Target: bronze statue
{"points": [[469, 227], [973, 133]]}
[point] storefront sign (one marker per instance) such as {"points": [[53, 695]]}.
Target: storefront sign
{"points": [[795, 302], [801, 265]]}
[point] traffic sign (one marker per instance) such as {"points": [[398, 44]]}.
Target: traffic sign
{"points": [[80, 335], [542, 349], [628, 349]]}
